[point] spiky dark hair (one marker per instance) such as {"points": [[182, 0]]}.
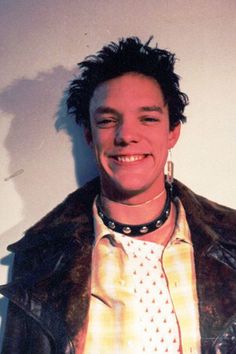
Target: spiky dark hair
{"points": [[116, 59]]}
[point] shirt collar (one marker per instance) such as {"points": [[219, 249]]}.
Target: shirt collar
{"points": [[182, 231], [100, 229]]}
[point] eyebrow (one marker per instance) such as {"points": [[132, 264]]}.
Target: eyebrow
{"points": [[105, 109], [151, 109]]}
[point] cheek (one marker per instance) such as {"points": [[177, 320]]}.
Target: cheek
{"points": [[160, 142], [103, 140], [99, 147]]}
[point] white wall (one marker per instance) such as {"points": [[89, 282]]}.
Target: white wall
{"points": [[41, 41]]}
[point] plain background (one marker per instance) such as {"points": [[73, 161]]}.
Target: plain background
{"points": [[43, 154]]}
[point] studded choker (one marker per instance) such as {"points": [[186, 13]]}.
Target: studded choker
{"points": [[136, 230]]}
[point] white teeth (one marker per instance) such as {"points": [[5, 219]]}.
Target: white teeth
{"points": [[131, 158]]}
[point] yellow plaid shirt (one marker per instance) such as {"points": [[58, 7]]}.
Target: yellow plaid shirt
{"points": [[113, 326]]}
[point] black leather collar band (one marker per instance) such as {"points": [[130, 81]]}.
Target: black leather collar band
{"points": [[137, 230]]}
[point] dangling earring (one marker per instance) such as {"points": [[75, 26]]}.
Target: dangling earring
{"points": [[170, 170]]}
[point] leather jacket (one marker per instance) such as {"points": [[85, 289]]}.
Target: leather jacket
{"points": [[49, 294]]}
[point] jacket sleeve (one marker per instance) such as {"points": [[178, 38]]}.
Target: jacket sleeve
{"points": [[22, 334], [15, 332], [31, 326]]}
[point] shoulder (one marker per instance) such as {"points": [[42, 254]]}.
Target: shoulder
{"points": [[72, 214], [204, 212], [198, 203]]}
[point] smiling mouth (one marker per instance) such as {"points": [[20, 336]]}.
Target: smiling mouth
{"points": [[129, 158]]}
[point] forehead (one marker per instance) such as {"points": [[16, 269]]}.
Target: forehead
{"points": [[127, 90]]}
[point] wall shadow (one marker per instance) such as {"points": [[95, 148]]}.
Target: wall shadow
{"points": [[39, 152], [85, 164]]}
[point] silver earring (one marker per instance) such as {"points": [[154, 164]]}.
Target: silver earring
{"points": [[170, 170]]}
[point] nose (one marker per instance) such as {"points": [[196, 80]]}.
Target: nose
{"points": [[126, 133]]}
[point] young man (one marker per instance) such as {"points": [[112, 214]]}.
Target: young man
{"points": [[133, 261]]}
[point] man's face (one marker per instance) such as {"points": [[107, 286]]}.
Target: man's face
{"points": [[130, 136]]}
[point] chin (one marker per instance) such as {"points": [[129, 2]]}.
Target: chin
{"points": [[130, 188], [115, 189], [128, 185]]}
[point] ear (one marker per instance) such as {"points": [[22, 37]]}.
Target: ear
{"points": [[88, 136], [174, 136]]}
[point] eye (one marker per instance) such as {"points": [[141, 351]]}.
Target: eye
{"points": [[150, 120], [105, 122]]}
